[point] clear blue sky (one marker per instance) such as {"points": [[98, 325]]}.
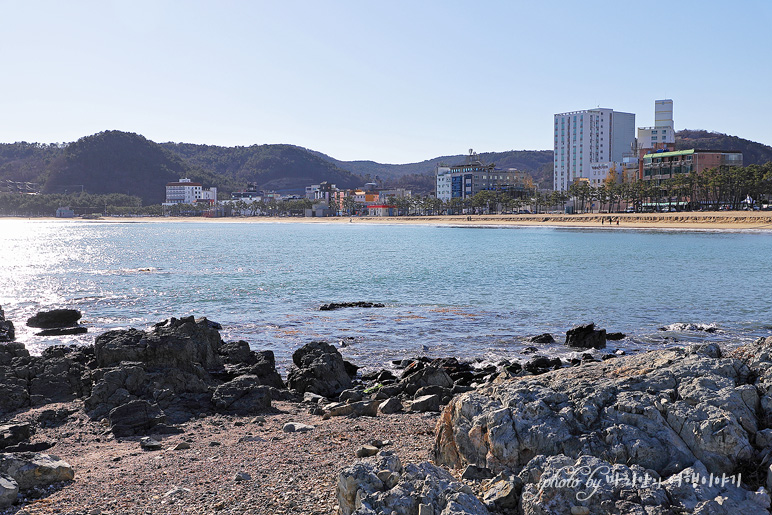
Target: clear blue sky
{"points": [[394, 82]]}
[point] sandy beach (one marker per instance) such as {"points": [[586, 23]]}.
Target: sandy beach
{"points": [[705, 220]]}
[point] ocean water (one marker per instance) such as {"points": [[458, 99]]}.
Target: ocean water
{"points": [[474, 293]]}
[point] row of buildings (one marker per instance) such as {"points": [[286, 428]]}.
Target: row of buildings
{"points": [[589, 144], [467, 180]]}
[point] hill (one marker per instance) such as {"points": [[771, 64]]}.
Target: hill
{"points": [[538, 163], [119, 162], [283, 168], [753, 153]]}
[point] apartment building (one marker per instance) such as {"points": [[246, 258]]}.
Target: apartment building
{"points": [[585, 139]]}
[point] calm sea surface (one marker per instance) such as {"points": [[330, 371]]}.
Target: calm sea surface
{"points": [[467, 292]]}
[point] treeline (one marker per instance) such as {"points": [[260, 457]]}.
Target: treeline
{"points": [[15, 204]]}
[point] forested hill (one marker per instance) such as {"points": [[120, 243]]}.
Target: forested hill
{"points": [[536, 162], [753, 153], [284, 168], [119, 162]]}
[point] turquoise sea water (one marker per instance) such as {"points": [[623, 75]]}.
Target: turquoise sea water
{"points": [[468, 292]]}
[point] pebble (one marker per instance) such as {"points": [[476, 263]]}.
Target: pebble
{"points": [[181, 446], [177, 490], [242, 476]]}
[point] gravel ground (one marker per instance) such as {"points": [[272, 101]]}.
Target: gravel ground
{"points": [[289, 472]]}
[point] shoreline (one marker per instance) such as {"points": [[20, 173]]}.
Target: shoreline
{"points": [[714, 220]]}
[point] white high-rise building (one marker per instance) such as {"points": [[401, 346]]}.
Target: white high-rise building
{"points": [[586, 138], [663, 132]]}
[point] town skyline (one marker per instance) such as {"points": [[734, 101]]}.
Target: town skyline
{"points": [[393, 84]]}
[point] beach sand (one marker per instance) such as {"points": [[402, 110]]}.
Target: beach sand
{"points": [[707, 220]]}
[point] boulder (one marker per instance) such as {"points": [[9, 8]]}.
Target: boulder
{"points": [[353, 409], [586, 337], [13, 434], [389, 406], [661, 410], [62, 331], [381, 485], [541, 338], [429, 375], [426, 403], [135, 417], [54, 318], [9, 490], [7, 331], [174, 343], [31, 470], [243, 395], [318, 368]]}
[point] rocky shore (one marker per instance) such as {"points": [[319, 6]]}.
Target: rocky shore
{"points": [[173, 419]]}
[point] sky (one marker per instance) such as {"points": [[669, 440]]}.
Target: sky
{"points": [[392, 81]]}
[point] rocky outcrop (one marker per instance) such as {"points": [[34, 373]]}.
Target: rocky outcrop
{"points": [[243, 395], [381, 485], [7, 331], [340, 305], [9, 490], [54, 318], [318, 368], [663, 413], [586, 337], [135, 417]]}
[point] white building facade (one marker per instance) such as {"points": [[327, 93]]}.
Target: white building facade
{"points": [[663, 131], [586, 138]]}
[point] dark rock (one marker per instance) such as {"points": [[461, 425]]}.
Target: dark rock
{"points": [[54, 318], [7, 331], [339, 305], [351, 369], [615, 336], [426, 403], [11, 350], [385, 375], [351, 396], [475, 473], [390, 406], [135, 417], [149, 444], [318, 368], [243, 395], [12, 434], [542, 364], [60, 331], [354, 409], [586, 337], [529, 350], [30, 447], [425, 376], [432, 390], [503, 493], [541, 338]]}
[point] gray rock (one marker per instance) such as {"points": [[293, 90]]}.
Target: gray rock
{"points": [[9, 490], [559, 484], [503, 493], [177, 491], [426, 376], [13, 434], [31, 470], [242, 476], [149, 444], [586, 337], [351, 396], [366, 450], [297, 427], [318, 368], [54, 318], [135, 417], [313, 398], [426, 403], [243, 395], [369, 487], [390, 406], [62, 331], [7, 331], [181, 446], [660, 410], [541, 338], [354, 409]]}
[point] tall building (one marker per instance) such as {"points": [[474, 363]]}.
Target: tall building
{"points": [[468, 179], [663, 132], [590, 137]]}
